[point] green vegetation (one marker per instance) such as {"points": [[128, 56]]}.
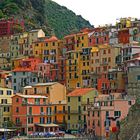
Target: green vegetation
{"points": [[45, 14]]}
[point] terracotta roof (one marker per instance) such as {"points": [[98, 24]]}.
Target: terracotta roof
{"points": [[22, 70], [80, 91], [53, 38], [30, 96]]}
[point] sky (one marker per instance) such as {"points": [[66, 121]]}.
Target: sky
{"points": [[101, 12]]}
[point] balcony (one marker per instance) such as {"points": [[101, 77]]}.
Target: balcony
{"points": [[60, 112]]}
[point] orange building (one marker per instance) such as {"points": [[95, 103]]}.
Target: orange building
{"points": [[33, 113], [55, 92]]}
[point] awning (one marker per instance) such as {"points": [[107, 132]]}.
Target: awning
{"points": [[48, 125], [6, 130]]}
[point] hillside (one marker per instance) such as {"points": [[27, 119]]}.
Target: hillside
{"points": [[46, 14]]}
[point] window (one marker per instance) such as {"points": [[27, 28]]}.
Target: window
{"points": [[42, 120], [82, 37], [117, 113], [129, 103], [47, 89], [6, 109], [30, 120], [17, 120], [83, 63], [37, 101], [68, 109], [41, 110], [30, 110], [35, 90], [107, 113], [104, 51], [44, 101], [23, 73], [3, 101], [9, 92], [17, 100], [138, 77], [15, 88], [68, 117], [53, 43], [17, 109], [55, 109], [14, 73], [93, 113], [84, 109], [68, 99], [79, 99], [79, 109], [109, 51], [1, 92], [79, 117], [63, 108], [15, 80], [46, 44]]}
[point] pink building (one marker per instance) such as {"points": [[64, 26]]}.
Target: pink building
{"points": [[105, 114], [43, 70]]}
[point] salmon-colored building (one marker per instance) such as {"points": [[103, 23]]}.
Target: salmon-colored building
{"points": [[33, 113], [106, 113]]}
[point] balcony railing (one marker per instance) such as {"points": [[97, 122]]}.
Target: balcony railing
{"points": [[60, 112]]}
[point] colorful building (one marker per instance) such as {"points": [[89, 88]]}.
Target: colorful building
{"points": [[102, 59], [9, 26], [38, 114], [54, 91], [106, 113], [22, 77], [6, 104], [5, 79], [77, 60], [77, 101]]}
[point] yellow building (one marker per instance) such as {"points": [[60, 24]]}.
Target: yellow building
{"points": [[124, 23], [47, 49], [5, 106], [77, 60], [77, 102]]}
